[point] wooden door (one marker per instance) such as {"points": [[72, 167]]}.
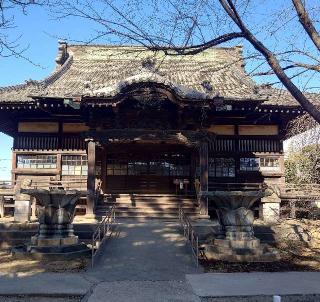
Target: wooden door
{"points": [[146, 172]]}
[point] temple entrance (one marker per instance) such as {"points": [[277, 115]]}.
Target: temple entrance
{"points": [[148, 169]]}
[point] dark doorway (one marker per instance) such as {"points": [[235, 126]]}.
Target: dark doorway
{"points": [[147, 169]]}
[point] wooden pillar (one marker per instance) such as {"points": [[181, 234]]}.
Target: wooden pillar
{"points": [[59, 167], [204, 177], [91, 180], [13, 168], [104, 170]]}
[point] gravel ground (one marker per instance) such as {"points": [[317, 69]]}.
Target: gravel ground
{"points": [[26, 267], [295, 255]]}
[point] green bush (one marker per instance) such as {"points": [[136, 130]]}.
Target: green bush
{"points": [[303, 166]]}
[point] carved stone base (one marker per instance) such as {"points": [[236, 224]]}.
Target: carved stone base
{"points": [[61, 252], [240, 251], [54, 241], [236, 219]]}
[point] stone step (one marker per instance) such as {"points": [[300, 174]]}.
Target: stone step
{"points": [[161, 215], [166, 208], [150, 197], [146, 212], [146, 206], [137, 201]]}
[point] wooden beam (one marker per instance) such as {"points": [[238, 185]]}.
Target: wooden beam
{"points": [[183, 137]]}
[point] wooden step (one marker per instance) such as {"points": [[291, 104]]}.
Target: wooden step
{"points": [[161, 215], [146, 205], [147, 201]]}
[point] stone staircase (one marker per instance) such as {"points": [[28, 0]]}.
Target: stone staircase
{"points": [[164, 206]]}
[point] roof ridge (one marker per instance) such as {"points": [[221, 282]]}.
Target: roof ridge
{"points": [[58, 72], [19, 86], [45, 82], [145, 47]]}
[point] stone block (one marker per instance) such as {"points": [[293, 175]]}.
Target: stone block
{"points": [[269, 210], [48, 241], [69, 240], [260, 254], [22, 211], [238, 244]]}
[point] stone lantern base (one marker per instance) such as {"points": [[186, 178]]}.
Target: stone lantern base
{"points": [[240, 251], [51, 252], [236, 219], [55, 238], [38, 241]]}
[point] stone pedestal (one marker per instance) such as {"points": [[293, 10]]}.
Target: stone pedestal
{"points": [[236, 218], [55, 238], [22, 210], [269, 210]]}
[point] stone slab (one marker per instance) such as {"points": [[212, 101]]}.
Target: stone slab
{"points": [[143, 291], [255, 284], [44, 284], [22, 211]]}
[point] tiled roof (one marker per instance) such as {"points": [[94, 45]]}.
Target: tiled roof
{"points": [[104, 71]]}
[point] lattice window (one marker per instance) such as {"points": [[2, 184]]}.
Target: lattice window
{"points": [[167, 166], [75, 165], [36, 161], [221, 167], [269, 163], [249, 164], [117, 167]]}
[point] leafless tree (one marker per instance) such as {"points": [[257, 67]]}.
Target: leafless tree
{"points": [[283, 40], [10, 46]]}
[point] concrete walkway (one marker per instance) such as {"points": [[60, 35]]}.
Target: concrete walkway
{"points": [[51, 284], [153, 250], [225, 286], [151, 261]]}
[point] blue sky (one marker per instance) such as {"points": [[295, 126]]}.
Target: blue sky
{"points": [[40, 32]]}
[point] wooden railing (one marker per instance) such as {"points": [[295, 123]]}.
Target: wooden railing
{"points": [[6, 185], [101, 232], [75, 184], [189, 234]]}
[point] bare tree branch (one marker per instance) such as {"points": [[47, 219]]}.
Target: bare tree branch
{"points": [[272, 60], [307, 22]]}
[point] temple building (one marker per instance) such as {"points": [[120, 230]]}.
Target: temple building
{"points": [[130, 122]]}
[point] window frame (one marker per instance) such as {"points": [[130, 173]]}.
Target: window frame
{"points": [[81, 165], [223, 164], [33, 161], [259, 167]]}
